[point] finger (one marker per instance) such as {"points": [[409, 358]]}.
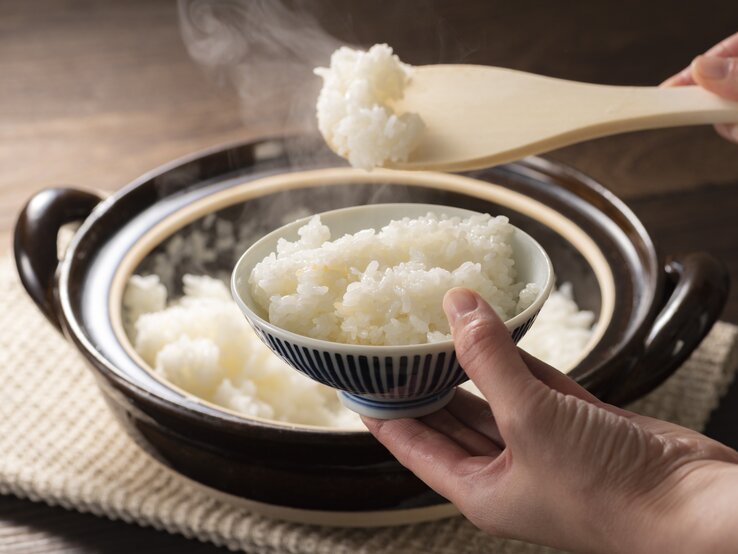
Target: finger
{"points": [[436, 459], [728, 131], [475, 412], [486, 351], [556, 379], [684, 77], [471, 440], [718, 75], [726, 48]]}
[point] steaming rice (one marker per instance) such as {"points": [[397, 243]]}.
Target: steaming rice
{"points": [[561, 331], [354, 107], [386, 287], [202, 344]]}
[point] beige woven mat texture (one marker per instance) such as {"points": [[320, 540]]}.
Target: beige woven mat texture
{"points": [[59, 444]]}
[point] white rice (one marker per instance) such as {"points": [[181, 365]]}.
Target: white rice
{"points": [[386, 287], [202, 344], [354, 107], [561, 332]]}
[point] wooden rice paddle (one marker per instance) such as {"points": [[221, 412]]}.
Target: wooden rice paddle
{"points": [[479, 116]]}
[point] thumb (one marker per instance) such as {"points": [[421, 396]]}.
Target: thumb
{"points": [[718, 75], [487, 352]]}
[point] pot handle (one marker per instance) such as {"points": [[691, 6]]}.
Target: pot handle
{"points": [[35, 241], [697, 285]]}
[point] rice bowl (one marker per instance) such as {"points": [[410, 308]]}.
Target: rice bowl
{"points": [[394, 380]]}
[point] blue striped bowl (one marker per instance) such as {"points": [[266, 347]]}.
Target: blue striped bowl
{"points": [[382, 381]]}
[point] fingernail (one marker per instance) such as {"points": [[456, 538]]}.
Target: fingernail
{"points": [[712, 67], [459, 302]]}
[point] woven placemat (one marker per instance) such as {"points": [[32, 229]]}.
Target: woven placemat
{"points": [[60, 445]]}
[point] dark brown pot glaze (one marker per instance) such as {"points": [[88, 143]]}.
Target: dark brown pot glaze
{"points": [[662, 312]]}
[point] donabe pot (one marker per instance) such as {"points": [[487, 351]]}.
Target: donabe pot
{"points": [[198, 214]]}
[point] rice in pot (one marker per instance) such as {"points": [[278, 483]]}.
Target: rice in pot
{"points": [[202, 344]]}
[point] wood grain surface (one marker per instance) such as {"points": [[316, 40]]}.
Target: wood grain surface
{"points": [[94, 93]]}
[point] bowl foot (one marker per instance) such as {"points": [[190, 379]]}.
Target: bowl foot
{"points": [[385, 408]]}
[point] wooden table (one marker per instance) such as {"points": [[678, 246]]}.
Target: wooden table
{"points": [[94, 93]]}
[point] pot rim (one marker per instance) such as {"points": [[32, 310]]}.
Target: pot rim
{"points": [[230, 422], [260, 186]]}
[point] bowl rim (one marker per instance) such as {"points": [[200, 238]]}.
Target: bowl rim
{"points": [[373, 349]]}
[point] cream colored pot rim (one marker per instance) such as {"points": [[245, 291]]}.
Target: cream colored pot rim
{"points": [[250, 189]]}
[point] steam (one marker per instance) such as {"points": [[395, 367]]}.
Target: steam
{"points": [[266, 50]]}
